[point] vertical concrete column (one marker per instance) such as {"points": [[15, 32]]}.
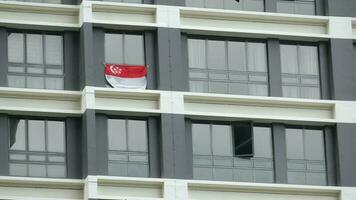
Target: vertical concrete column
{"points": [[279, 153], [71, 60], [4, 145], [274, 67], [74, 143], [88, 74], [89, 144], [343, 8], [3, 57]]}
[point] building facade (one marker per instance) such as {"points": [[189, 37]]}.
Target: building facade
{"points": [[248, 99]]}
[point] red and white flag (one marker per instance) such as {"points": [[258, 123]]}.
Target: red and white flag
{"points": [[126, 76]]}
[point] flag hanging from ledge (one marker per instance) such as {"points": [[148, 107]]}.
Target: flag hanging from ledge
{"points": [[126, 76]]}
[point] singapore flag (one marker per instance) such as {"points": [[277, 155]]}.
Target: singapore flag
{"points": [[126, 76]]}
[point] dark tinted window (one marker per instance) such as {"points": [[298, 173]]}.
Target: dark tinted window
{"points": [[128, 148], [214, 159], [243, 139], [229, 67], [35, 61], [306, 156], [37, 148], [300, 71], [249, 5]]}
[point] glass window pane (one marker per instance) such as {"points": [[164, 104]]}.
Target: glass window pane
{"points": [[264, 176], [54, 49], [138, 170], [197, 53], [257, 57], [222, 140], [16, 81], [36, 135], [284, 6], [232, 5], [316, 179], [56, 136], [16, 47], [218, 87], [34, 48], [17, 136], [54, 83], [117, 169], [56, 171], [37, 170], [199, 86], [308, 60], [289, 59], [314, 145], [18, 169], [258, 90], [137, 135], [35, 82], [296, 178], [203, 173], [290, 91], [117, 134], [295, 144], [216, 54], [305, 8], [310, 92], [195, 3], [114, 48], [201, 139], [237, 56], [254, 5], [262, 139], [214, 4], [134, 50]]}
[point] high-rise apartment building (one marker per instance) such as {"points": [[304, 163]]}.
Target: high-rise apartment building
{"points": [[245, 99]]}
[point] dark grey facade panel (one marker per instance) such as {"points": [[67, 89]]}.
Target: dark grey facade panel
{"points": [[150, 57], [3, 57], [88, 74], [74, 151], [170, 2], [89, 144], [99, 56], [189, 148], [320, 7], [279, 153], [71, 60], [342, 69], [274, 67], [154, 147], [342, 8], [346, 154], [4, 145], [324, 70], [167, 146], [271, 5], [163, 60], [330, 153], [102, 144]]}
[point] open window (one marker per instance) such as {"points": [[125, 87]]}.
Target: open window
{"points": [[243, 139]]}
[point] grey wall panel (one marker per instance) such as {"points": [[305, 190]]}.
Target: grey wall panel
{"points": [[330, 154], [274, 67], [163, 70], [320, 7], [74, 143], [324, 70], [88, 74], [71, 60], [342, 69], [167, 147], [170, 2], [3, 57], [345, 8], [102, 144], [4, 145], [154, 142], [189, 148], [99, 58], [89, 145], [150, 49], [346, 154], [280, 154]]}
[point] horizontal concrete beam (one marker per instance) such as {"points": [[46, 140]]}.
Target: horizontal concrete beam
{"points": [[194, 105]]}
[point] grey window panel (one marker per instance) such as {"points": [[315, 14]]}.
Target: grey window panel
{"points": [[34, 48], [218, 87], [201, 139], [257, 57], [35, 82], [254, 5], [118, 156], [262, 142], [223, 174], [16, 47], [295, 143], [199, 86], [38, 158], [263, 176], [243, 175], [314, 145], [37, 170], [137, 136], [195, 3], [138, 170], [56, 136], [203, 173], [17, 169], [50, 71], [290, 91], [59, 159], [16, 69], [258, 90], [117, 169], [132, 1], [54, 83], [197, 53], [237, 56], [305, 8], [285, 6], [56, 171], [295, 177], [138, 158], [117, 134], [232, 5], [223, 161], [54, 49], [16, 81], [239, 88], [310, 92], [19, 157], [289, 59], [20, 136], [214, 4], [308, 60], [114, 48], [35, 69], [316, 179], [218, 76], [216, 54], [134, 49], [36, 135]]}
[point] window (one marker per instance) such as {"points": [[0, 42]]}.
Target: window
{"points": [[40, 1], [37, 148], [35, 61], [128, 148], [126, 1], [229, 67], [303, 7], [213, 156], [249, 5], [306, 156], [300, 71], [124, 49]]}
